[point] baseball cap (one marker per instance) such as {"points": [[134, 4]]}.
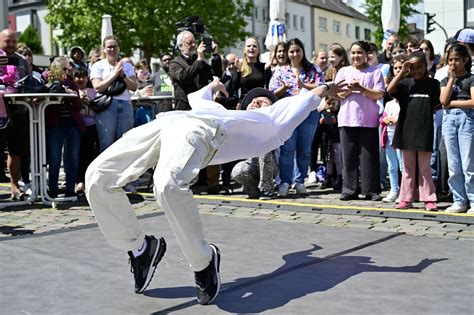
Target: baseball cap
{"points": [[466, 36], [257, 92]]}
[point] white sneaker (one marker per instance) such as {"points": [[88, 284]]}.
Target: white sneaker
{"points": [[27, 189], [301, 189], [457, 207], [312, 178], [391, 197], [283, 189]]}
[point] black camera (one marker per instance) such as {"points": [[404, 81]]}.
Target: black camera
{"points": [[192, 24]]}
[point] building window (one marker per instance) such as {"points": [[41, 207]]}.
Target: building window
{"points": [[348, 30], [287, 20], [255, 13], [302, 23], [323, 24], [264, 15], [323, 46], [357, 32], [295, 21], [367, 34], [336, 27]]}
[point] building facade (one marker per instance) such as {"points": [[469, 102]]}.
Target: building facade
{"points": [[452, 15], [337, 22]]}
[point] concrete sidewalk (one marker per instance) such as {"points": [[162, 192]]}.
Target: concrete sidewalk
{"points": [[268, 266]]}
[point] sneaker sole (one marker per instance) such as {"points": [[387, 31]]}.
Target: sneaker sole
{"points": [[217, 263], [157, 256]]}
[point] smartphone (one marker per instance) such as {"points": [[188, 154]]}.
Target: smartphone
{"points": [[208, 42], [11, 60]]}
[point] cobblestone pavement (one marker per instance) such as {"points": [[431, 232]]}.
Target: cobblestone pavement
{"points": [[39, 219]]}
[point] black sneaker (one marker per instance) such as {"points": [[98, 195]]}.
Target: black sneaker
{"points": [[375, 197], [337, 183], [346, 197], [208, 281], [266, 195], [143, 267]]}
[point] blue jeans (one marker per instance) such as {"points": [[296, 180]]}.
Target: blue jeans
{"points": [[113, 122], [458, 134], [437, 121], [70, 137], [299, 143], [395, 163], [383, 162]]}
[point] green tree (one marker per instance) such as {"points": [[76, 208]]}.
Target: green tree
{"points": [[147, 24], [31, 39], [374, 10]]}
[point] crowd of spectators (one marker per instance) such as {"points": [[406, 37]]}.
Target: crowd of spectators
{"points": [[406, 116]]}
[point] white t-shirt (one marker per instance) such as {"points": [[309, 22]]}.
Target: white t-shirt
{"points": [[249, 133], [392, 109], [102, 69], [441, 73]]}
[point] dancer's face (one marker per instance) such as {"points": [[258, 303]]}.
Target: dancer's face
{"points": [[259, 102]]}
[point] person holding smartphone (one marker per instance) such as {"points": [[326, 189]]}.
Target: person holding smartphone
{"points": [[189, 72]]}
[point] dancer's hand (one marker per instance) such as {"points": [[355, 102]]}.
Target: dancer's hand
{"points": [[217, 87], [335, 88], [332, 89]]}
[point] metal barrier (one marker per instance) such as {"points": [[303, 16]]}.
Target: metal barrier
{"points": [[153, 101]]}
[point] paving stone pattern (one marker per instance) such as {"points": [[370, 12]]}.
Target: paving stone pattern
{"points": [[40, 219]]}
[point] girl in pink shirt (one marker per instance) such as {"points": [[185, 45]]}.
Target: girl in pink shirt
{"points": [[358, 120]]}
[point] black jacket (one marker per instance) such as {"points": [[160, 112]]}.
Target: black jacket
{"points": [[231, 85], [189, 75]]}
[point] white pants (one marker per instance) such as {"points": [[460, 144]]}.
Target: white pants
{"points": [[179, 147]]}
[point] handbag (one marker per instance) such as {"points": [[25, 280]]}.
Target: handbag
{"points": [[30, 84], [117, 87], [100, 103], [56, 87]]}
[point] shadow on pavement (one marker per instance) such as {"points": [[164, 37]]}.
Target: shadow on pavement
{"points": [[301, 274], [15, 230]]}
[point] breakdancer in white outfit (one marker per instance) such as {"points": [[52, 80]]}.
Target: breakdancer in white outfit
{"points": [[179, 144]]}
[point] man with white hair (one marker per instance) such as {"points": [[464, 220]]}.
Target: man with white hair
{"points": [[189, 72]]}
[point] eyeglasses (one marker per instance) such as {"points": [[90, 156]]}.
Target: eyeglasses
{"points": [[166, 60]]}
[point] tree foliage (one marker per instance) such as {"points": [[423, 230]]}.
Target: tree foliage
{"points": [[145, 24], [31, 39], [374, 11]]}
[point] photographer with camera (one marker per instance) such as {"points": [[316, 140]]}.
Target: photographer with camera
{"points": [[190, 72]]}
